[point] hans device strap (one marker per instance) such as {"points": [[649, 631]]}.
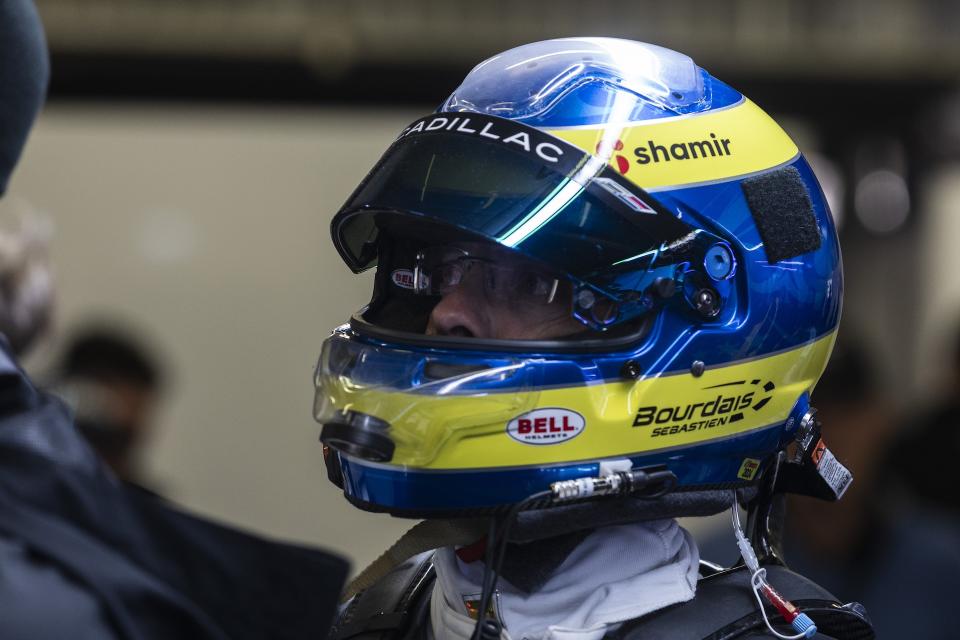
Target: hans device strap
{"points": [[397, 608]]}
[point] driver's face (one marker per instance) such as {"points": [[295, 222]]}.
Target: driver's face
{"points": [[469, 310]]}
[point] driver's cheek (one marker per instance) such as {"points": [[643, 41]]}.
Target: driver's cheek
{"points": [[514, 321]]}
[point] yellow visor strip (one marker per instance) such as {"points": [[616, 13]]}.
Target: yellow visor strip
{"points": [[589, 422], [707, 147]]}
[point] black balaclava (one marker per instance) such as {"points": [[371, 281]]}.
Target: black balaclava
{"points": [[24, 74]]}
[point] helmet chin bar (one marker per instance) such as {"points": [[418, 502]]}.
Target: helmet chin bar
{"points": [[812, 471]]}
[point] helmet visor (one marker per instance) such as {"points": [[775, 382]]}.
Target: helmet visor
{"points": [[514, 185]]}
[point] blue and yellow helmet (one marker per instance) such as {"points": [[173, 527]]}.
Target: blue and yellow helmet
{"points": [[656, 209]]}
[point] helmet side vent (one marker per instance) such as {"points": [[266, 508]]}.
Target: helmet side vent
{"points": [[781, 207]]}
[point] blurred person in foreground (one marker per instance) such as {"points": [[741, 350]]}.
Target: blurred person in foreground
{"points": [[113, 384], [81, 555], [605, 285], [897, 554]]}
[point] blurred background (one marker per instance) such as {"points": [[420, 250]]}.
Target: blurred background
{"points": [[192, 154]]}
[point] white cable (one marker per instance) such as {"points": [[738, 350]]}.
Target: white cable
{"points": [[756, 580], [758, 574]]}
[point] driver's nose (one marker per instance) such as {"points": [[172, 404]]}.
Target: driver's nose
{"points": [[460, 312]]}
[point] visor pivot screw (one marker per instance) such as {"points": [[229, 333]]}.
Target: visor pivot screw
{"points": [[630, 370], [697, 368], [707, 303], [586, 299], [719, 262], [665, 287]]}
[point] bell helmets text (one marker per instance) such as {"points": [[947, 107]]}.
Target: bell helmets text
{"points": [[546, 426], [402, 278]]}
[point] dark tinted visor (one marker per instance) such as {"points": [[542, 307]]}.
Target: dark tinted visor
{"points": [[512, 184]]}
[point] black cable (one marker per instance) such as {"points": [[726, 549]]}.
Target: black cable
{"points": [[485, 593], [495, 553], [663, 480]]}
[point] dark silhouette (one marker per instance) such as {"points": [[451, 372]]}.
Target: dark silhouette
{"points": [[113, 383]]}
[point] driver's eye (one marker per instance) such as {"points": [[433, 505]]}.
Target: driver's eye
{"points": [[447, 276], [534, 285]]}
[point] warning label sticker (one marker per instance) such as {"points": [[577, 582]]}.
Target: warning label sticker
{"points": [[837, 476]]}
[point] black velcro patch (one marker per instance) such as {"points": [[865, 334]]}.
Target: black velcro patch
{"points": [[781, 207]]}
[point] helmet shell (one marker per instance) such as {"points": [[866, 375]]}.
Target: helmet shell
{"points": [[710, 395]]}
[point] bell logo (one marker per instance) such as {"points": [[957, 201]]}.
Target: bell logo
{"points": [[546, 426], [402, 278], [615, 159]]}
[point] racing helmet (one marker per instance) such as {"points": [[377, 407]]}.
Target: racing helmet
{"points": [[662, 244]]}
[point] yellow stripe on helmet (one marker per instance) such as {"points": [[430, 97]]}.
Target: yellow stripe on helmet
{"points": [[705, 147], [589, 422]]}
